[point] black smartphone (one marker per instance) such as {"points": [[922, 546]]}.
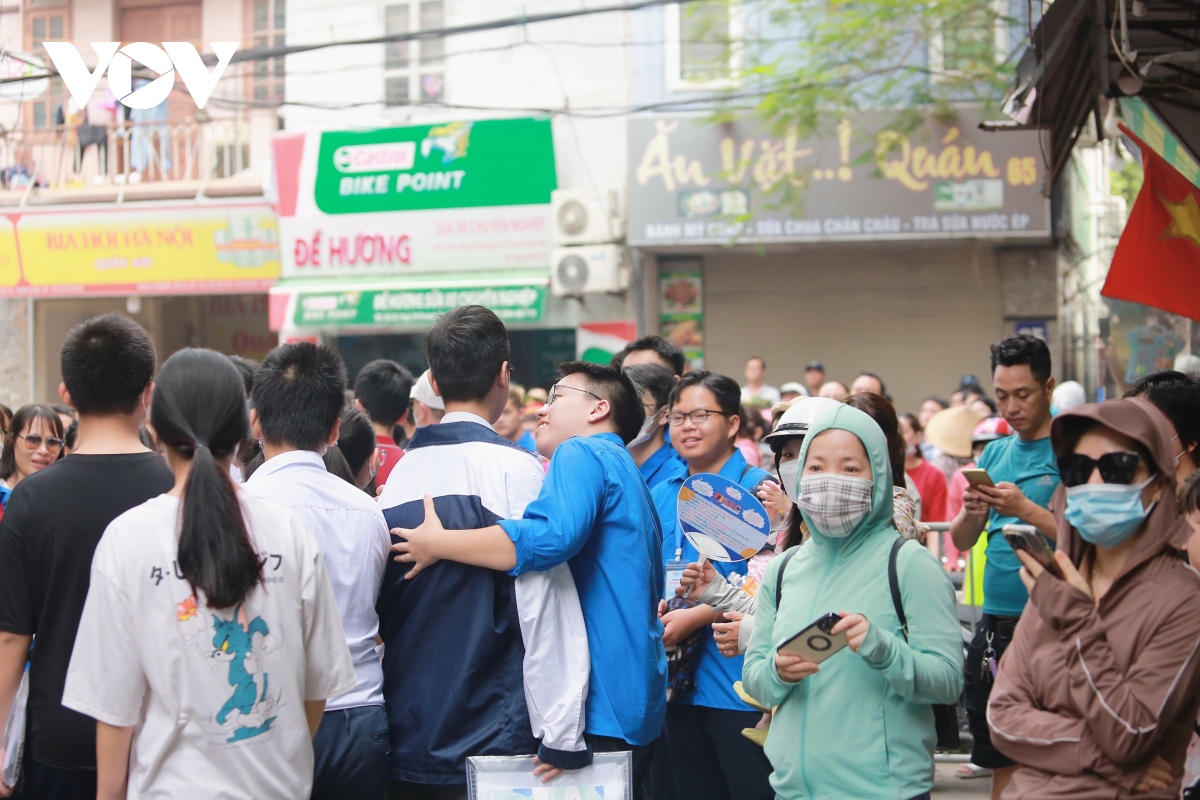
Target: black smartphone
{"points": [[816, 643], [1029, 539]]}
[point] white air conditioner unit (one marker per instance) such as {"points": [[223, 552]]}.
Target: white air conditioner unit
{"points": [[585, 217], [588, 270]]}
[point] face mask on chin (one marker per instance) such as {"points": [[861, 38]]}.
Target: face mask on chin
{"points": [[646, 433]]}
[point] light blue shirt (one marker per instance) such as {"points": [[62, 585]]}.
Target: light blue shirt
{"points": [[715, 674], [1032, 467], [595, 513], [354, 539]]}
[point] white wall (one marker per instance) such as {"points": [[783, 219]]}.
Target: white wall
{"points": [[580, 64]]}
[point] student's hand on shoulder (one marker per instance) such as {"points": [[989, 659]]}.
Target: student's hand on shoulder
{"points": [[855, 626], [794, 668], [418, 546]]}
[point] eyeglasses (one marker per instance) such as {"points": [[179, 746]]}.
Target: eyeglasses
{"points": [[554, 393], [698, 416], [33, 442], [1076, 469]]}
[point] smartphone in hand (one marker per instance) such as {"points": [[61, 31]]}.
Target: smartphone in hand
{"points": [[1029, 539], [978, 477], [815, 643]]}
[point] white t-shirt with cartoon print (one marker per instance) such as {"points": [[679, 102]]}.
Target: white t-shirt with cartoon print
{"points": [[216, 695]]}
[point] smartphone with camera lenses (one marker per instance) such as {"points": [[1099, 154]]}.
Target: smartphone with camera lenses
{"points": [[1027, 538], [816, 643]]}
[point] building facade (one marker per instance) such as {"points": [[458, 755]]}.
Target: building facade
{"points": [[158, 213]]}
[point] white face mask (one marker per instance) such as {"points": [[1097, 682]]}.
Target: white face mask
{"points": [[835, 503], [647, 431], [789, 472]]}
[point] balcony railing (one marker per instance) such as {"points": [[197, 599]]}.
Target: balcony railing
{"points": [[103, 159]]}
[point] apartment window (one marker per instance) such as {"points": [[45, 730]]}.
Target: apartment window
{"points": [[414, 71], [267, 23], [961, 45], [44, 24], [704, 45]]}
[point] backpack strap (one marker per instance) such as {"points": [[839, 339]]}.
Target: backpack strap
{"points": [[782, 569], [894, 584]]}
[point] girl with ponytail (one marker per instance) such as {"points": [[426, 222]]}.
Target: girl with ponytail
{"points": [[210, 625]]}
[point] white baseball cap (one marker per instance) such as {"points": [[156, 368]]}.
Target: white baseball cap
{"points": [[422, 392], [795, 420]]}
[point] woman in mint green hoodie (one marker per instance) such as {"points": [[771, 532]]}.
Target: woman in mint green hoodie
{"points": [[861, 724]]}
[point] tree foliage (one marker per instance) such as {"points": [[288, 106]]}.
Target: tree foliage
{"points": [[806, 64]]}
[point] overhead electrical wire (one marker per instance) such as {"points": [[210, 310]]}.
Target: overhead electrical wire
{"points": [[261, 53]]}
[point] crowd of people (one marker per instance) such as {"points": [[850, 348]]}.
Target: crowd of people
{"points": [[224, 578]]}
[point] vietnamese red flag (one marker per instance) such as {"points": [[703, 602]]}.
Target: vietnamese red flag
{"points": [[1157, 260]]}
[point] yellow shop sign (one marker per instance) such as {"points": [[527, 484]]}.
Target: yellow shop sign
{"points": [[160, 250]]}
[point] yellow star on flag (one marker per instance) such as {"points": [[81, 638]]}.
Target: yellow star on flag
{"points": [[1185, 219]]}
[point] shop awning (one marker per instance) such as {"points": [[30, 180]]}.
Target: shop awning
{"points": [[405, 302], [1084, 52]]}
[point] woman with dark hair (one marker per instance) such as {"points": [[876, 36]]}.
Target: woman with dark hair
{"points": [[1096, 695], [32, 442], [182, 643], [929, 480], [709, 756], [356, 449], [905, 498]]}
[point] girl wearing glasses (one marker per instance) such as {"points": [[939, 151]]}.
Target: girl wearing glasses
{"points": [[1096, 696], [705, 718], [33, 442]]}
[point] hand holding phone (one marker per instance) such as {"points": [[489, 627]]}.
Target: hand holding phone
{"points": [[815, 643], [1027, 538], [978, 477]]}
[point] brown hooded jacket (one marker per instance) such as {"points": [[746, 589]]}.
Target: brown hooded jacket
{"points": [[1087, 695]]}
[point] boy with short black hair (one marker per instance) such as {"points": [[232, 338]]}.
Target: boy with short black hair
{"points": [[595, 514], [49, 532], [652, 350], [515, 680], [382, 389], [297, 403]]}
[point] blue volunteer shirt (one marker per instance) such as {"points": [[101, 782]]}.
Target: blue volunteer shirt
{"points": [[664, 465], [595, 513], [527, 441], [1032, 467], [715, 674]]}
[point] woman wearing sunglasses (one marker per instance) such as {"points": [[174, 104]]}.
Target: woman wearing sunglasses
{"points": [[33, 442], [1096, 696]]}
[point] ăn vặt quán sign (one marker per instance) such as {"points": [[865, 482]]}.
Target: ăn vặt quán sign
{"points": [[695, 182]]}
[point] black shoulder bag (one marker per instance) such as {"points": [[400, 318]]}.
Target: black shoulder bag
{"points": [[945, 718]]}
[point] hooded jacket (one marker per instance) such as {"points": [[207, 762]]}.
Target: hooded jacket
{"points": [[863, 726], [1087, 695]]}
